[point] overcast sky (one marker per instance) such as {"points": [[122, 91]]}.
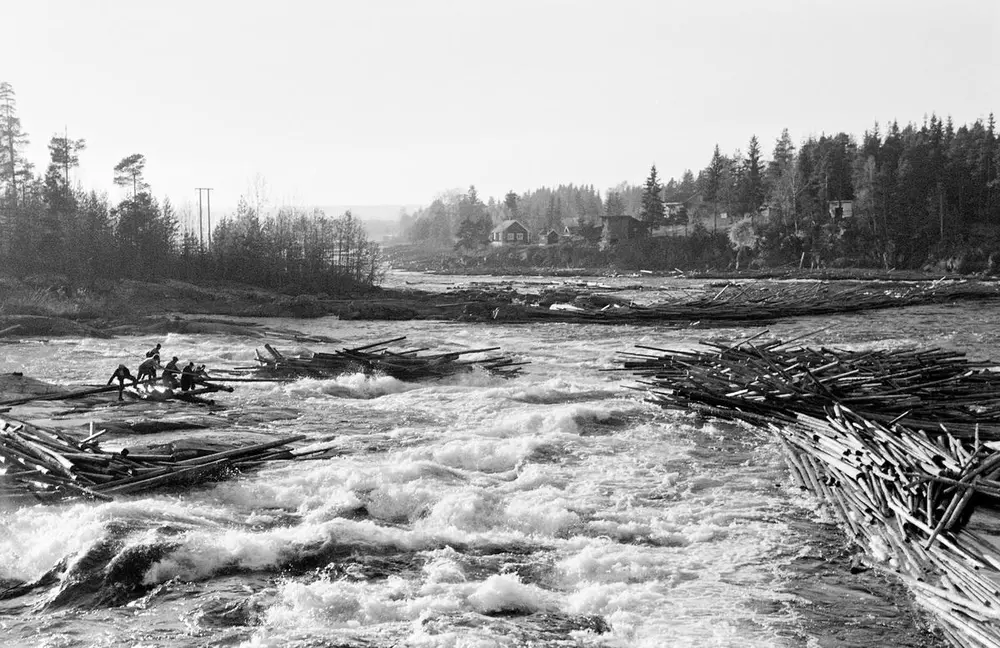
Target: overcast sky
{"points": [[393, 102]]}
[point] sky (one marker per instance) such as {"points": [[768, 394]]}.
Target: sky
{"points": [[393, 102]]}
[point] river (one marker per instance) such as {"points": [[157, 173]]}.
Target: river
{"points": [[557, 508]]}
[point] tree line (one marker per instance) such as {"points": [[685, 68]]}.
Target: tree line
{"points": [[48, 226], [914, 194]]}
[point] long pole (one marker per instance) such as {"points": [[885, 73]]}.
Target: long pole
{"points": [[201, 234], [209, 192]]}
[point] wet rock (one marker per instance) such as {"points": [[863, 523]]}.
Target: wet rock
{"points": [[226, 612], [108, 573]]}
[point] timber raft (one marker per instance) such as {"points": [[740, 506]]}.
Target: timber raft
{"points": [[376, 359], [902, 445]]}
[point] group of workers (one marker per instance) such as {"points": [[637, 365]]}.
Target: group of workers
{"points": [[190, 375]]}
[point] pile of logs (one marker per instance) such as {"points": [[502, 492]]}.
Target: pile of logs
{"points": [[902, 445], [376, 359], [918, 388], [49, 465], [734, 304]]}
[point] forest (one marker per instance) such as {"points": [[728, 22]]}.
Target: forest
{"points": [[921, 196], [49, 227]]}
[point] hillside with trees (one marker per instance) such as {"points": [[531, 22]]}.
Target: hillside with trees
{"points": [[921, 196], [49, 227]]}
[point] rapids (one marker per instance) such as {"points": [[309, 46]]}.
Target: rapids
{"points": [[554, 509]]}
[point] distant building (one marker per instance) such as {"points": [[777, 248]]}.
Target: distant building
{"points": [[509, 232], [551, 237], [622, 228], [674, 210], [841, 209]]}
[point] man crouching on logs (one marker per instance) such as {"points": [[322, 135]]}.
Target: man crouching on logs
{"points": [[122, 374]]}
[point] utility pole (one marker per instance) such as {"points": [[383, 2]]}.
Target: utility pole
{"points": [[201, 234], [208, 192]]}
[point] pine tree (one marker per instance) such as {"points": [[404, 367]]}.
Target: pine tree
{"points": [[12, 141], [713, 178], [65, 153], [511, 202], [614, 205], [752, 194], [129, 171], [652, 210]]}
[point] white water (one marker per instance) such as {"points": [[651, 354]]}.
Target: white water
{"points": [[557, 508]]}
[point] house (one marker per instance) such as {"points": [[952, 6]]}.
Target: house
{"points": [[622, 228], [550, 238], [675, 212], [841, 209], [509, 232]]}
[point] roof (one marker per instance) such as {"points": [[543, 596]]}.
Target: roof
{"points": [[506, 224]]}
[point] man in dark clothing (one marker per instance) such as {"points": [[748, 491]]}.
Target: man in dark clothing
{"points": [[187, 377], [200, 375], [122, 374], [155, 351], [148, 368], [170, 372]]}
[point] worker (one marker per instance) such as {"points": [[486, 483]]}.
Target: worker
{"points": [[155, 351], [122, 374], [170, 372], [187, 377], [148, 368], [200, 375]]}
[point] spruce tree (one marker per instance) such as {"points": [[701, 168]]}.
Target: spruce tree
{"points": [[652, 210]]}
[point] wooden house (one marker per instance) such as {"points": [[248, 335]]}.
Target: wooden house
{"points": [[509, 232], [622, 228]]}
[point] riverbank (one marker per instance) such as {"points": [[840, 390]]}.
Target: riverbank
{"points": [[34, 308]]}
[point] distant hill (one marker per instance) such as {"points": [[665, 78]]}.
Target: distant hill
{"points": [[380, 220]]}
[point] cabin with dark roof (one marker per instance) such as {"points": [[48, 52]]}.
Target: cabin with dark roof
{"points": [[509, 232], [623, 228]]}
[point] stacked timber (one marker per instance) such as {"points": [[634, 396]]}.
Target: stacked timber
{"points": [[376, 359], [49, 465], [904, 447]]}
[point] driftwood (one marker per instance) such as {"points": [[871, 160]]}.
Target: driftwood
{"points": [[48, 465], [376, 359], [900, 444]]}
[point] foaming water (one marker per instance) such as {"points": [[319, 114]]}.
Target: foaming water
{"points": [[557, 508]]}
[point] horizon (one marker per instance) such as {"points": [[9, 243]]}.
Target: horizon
{"points": [[229, 96]]}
